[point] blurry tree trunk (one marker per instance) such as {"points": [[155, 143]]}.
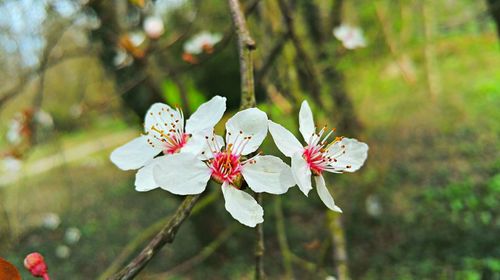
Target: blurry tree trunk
{"points": [[494, 7], [308, 70], [142, 91], [431, 66], [392, 45], [339, 244], [348, 122]]}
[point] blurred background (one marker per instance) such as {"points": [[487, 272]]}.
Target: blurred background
{"points": [[418, 80]]}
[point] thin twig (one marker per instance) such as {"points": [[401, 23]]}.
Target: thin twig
{"points": [[259, 246], [206, 252], [148, 233], [246, 46], [431, 63], [282, 238], [307, 61], [338, 239], [166, 235], [409, 78], [271, 57]]}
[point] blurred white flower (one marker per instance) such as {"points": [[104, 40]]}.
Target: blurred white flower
{"points": [[44, 119], [153, 26], [51, 221], [351, 37], [14, 131], [87, 18], [137, 38], [122, 58], [166, 134], [63, 251], [185, 174], [330, 277], [11, 164], [373, 206], [72, 235], [202, 42], [339, 156]]}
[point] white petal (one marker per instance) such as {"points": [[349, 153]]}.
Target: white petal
{"points": [[144, 180], [324, 194], [199, 144], [242, 206], [268, 174], [306, 121], [161, 117], [250, 122], [134, 154], [207, 115], [215, 145], [182, 174], [352, 159], [341, 32], [284, 139], [301, 173]]}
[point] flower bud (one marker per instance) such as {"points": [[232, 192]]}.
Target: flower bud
{"points": [[153, 26], [35, 263]]}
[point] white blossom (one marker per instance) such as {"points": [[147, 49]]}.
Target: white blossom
{"points": [[202, 42], [229, 165], [122, 58], [14, 131], [11, 164], [153, 26], [350, 36], [318, 155], [166, 134], [51, 221], [72, 235], [373, 206], [44, 119], [137, 38], [63, 251]]}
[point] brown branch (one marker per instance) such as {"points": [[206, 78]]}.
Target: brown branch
{"points": [[149, 232], [339, 242], [283, 239], [259, 246], [224, 42], [25, 79], [206, 252], [308, 63], [409, 78], [166, 235], [494, 8], [271, 57], [246, 46]]}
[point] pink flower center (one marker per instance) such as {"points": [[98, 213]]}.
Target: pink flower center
{"points": [[175, 143], [169, 133], [315, 158], [226, 167], [317, 155]]}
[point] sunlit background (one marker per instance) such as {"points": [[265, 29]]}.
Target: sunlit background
{"points": [[422, 89]]}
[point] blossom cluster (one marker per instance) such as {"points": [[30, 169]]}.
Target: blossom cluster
{"points": [[182, 156]]}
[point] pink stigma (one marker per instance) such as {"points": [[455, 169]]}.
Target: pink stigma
{"points": [[175, 144], [316, 152], [225, 167], [315, 158]]}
